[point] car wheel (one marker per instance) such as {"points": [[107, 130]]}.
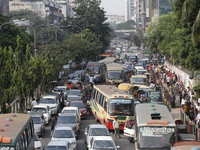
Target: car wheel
{"points": [[96, 119]]}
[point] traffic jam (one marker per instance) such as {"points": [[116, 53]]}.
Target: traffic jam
{"points": [[113, 103]]}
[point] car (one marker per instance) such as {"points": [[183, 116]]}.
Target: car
{"points": [[58, 89], [129, 132], [73, 98], [59, 145], [81, 107], [95, 130], [39, 123], [52, 102], [74, 78], [70, 120], [81, 74], [37, 143], [64, 133], [72, 109], [102, 142], [45, 110], [76, 92], [54, 94]]}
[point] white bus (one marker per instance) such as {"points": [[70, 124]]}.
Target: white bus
{"points": [[154, 127], [114, 73]]}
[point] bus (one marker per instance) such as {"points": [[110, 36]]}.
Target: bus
{"points": [[109, 60], [96, 70], [108, 102], [154, 127], [114, 73], [16, 132], [139, 80]]}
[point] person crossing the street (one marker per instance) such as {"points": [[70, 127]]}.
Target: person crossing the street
{"points": [[116, 128]]}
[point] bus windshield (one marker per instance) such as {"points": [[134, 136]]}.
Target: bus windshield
{"points": [[115, 74], [141, 81], [121, 107], [92, 70], [162, 136]]}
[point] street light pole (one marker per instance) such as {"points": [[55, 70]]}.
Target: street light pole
{"points": [[5, 24], [34, 32], [79, 28]]}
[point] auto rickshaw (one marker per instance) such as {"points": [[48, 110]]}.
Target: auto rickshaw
{"points": [[126, 87]]}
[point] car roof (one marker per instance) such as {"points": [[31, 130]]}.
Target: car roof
{"points": [[70, 108], [97, 126], [68, 114], [40, 106], [103, 138], [62, 127], [72, 96], [76, 102], [57, 143], [49, 96], [61, 86]]}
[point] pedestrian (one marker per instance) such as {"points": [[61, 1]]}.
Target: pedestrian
{"points": [[130, 123], [183, 101], [116, 127], [62, 99], [192, 114], [168, 79], [33, 103], [173, 100], [186, 108]]}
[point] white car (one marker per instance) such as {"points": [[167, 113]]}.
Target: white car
{"points": [[58, 145], [129, 132], [52, 102], [58, 90], [72, 109], [64, 133], [45, 110], [102, 142]]}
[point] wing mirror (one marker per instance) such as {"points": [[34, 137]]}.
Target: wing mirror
{"points": [[118, 147], [89, 146]]}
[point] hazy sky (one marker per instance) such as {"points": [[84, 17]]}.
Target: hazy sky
{"points": [[113, 7]]}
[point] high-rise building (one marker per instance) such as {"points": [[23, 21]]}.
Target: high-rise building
{"points": [[4, 7], [129, 10]]}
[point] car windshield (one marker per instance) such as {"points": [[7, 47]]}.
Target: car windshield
{"points": [[98, 132], [48, 101], [40, 110], [140, 81], [121, 107], [74, 98], [115, 74], [66, 119], [56, 148], [66, 111], [74, 92], [155, 137], [79, 105], [92, 70], [72, 77], [63, 134], [36, 120], [103, 144], [59, 89]]}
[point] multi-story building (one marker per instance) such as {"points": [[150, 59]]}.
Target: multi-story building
{"points": [[158, 8], [129, 10], [44, 8], [4, 7], [114, 20]]}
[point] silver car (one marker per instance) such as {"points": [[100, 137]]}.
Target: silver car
{"points": [[94, 130], [39, 123], [56, 145]]}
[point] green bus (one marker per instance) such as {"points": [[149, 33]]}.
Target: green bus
{"points": [[16, 132]]}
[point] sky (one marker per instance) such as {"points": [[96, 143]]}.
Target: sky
{"points": [[113, 7]]}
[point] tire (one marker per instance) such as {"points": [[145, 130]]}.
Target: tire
{"points": [[95, 118]]}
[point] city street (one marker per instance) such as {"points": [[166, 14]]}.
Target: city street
{"points": [[123, 143]]}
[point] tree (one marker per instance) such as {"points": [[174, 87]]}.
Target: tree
{"points": [[128, 25]]}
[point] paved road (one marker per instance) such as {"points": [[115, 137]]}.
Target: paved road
{"points": [[123, 143]]}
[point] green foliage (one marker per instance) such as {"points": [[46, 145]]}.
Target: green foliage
{"points": [[128, 25], [197, 90]]}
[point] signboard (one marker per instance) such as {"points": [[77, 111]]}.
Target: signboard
{"points": [[152, 131], [124, 101]]}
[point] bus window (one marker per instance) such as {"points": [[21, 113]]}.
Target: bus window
{"points": [[93, 93], [105, 106], [98, 97], [103, 100]]}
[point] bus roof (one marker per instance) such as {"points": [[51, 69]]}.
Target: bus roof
{"points": [[94, 63], [13, 125], [109, 59], [111, 91], [145, 111], [114, 66]]}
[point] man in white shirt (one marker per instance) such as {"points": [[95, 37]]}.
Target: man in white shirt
{"points": [[116, 127], [183, 101], [34, 102]]}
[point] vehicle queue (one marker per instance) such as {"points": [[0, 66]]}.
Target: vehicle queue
{"points": [[120, 98]]}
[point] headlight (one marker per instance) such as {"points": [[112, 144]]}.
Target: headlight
{"points": [[73, 142], [38, 129]]}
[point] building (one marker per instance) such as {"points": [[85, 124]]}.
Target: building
{"points": [[129, 10], [114, 20], [158, 8], [44, 8], [4, 7]]}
